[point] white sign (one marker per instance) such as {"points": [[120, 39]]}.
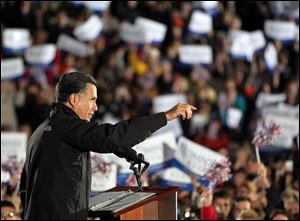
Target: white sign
{"points": [[40, 54], [285, 8], [104, 179], [173, 126], [163, 103], [288, 117], [195, 54], [240, 46], [194, 157], [13, 144], [210, 7], [12, 68], [74, 46], [96, 6], [198, 122], [13, 152], [281, 109], [154, 147], [290, 129], [155, 32], [234, 116], [243, 44], [257, 40], [271, 57], [132, 34], [200, 23], [174, 174], [90, 29], [280, 30], [290, 125], [16, 39], [265, 99], [122, 163]]}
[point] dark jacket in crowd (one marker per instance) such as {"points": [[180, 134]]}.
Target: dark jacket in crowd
{"points": [[55, 181]]}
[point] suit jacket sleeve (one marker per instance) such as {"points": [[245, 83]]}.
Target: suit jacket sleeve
{"points": [[107, 138]]}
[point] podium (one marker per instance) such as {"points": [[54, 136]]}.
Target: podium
{"points": [[122, 203]]}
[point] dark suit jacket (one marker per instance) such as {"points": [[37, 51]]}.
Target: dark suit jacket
{"points": [[55, 181]]}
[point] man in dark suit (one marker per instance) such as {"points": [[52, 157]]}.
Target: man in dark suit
{"points": [[55, 181]]}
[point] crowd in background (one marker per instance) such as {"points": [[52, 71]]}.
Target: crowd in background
{"points": [[130, 76]]}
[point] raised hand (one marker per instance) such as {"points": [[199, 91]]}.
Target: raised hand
{"points": [[180, 110]]}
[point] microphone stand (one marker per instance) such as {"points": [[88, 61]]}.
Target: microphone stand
{"points": [[138, 171]]}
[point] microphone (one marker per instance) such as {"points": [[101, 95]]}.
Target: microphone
{"points": [[141, 159], [135, 159], [147, 164]]}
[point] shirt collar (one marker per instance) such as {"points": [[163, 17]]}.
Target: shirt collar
{"points": [[60, 107]]}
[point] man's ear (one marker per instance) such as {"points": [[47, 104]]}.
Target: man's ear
{"points": [[73, 99]]}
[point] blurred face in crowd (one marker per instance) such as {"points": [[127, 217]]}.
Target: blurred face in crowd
{"points": [[241, 206], [292, 207], [222, 206], [230, 89], [9, 213], [292, 93], [230, 86], [243, 190], [84, 104], [280, 217], [239, 178]]}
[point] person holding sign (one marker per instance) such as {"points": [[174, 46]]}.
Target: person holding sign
{"points": [[55, 181]]}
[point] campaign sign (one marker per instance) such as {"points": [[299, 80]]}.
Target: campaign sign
{"points": [[89, 30], [132, 33], [194, 158], [40, 55], [163, 103], [200, 23], [96, 6], [13, 152], [175, 177], [284, 31], [104, 175], [16, 40], [157, 150], [155, 32], [195, 54], [74, 46], [12, 68], [265, 99], [240, 46]]}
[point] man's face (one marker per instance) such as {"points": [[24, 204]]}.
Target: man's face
{"points": [[85, 104]]}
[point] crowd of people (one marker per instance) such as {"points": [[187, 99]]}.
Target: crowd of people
{"points": [[129, 77]]}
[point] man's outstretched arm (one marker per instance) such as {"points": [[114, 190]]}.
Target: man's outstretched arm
{"points": [[107, 138]]}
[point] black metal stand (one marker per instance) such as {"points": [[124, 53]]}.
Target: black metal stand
{"points": [[138, 171]]}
